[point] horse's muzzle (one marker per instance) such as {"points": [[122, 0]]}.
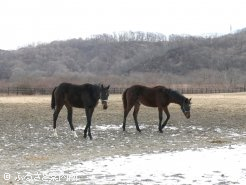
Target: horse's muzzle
{"points": [[104, 104], [187, 114]]}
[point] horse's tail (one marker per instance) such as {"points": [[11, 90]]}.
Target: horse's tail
{"points": [[124, 99], [53, 102]]}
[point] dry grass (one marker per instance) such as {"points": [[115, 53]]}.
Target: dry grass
{"points": [[26, 128], [206, 109], [24, 99], [204, 106], [116, 98]]}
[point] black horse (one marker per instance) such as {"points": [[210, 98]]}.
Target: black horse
{"points": [[158, 96], [80, 96]]}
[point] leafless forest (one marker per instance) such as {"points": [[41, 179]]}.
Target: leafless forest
{"points": [[126, 58]]}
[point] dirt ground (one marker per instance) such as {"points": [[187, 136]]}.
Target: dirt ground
{"points": [[27, 145]]}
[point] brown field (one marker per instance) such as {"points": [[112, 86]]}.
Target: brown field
{"points": [[27, 145]]}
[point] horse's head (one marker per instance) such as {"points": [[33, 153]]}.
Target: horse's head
{"points": [[185, 107], [104, 93]]}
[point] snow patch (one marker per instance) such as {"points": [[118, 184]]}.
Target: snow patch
{"points": [[205, 166]]}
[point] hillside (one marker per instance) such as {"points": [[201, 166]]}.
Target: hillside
{"points": [[128, 58]]}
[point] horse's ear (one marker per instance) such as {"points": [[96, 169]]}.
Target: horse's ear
{"points": [[102, 86], [108, 87], [186, 100], [190, 100]]}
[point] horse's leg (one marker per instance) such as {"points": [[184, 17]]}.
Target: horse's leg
{"points": [[89, 129], [168, 116], [89, 112], [126, 112], [135, 115], [86, 127], [70, 118], [160, 119], [55, 116], [124, 120]]}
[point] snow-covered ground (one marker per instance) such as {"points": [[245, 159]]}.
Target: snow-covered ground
{"points": [[225, 165]]}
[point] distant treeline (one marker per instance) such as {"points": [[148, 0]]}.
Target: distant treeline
{"points": [[128, 58]]}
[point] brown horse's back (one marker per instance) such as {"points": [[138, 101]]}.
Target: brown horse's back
{"points": [[152, 97]]}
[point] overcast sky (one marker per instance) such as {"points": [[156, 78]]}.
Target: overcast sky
{"points": [[26, 22]]}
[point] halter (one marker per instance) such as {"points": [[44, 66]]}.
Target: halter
{"points": [[102, 99], [183, 108], [105, 100]]}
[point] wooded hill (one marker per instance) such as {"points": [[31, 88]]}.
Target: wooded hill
{"points": [[128, 58]]}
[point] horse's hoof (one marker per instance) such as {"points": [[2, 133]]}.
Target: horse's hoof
{"points": [[55, 133], [161, 131], [75, 135], [163, 126]]}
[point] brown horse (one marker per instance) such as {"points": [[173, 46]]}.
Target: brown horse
{"points": [[158, 96], [81, 96]]}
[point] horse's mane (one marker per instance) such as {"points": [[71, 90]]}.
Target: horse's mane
{"points": [[95, 91], [175, 95]]}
